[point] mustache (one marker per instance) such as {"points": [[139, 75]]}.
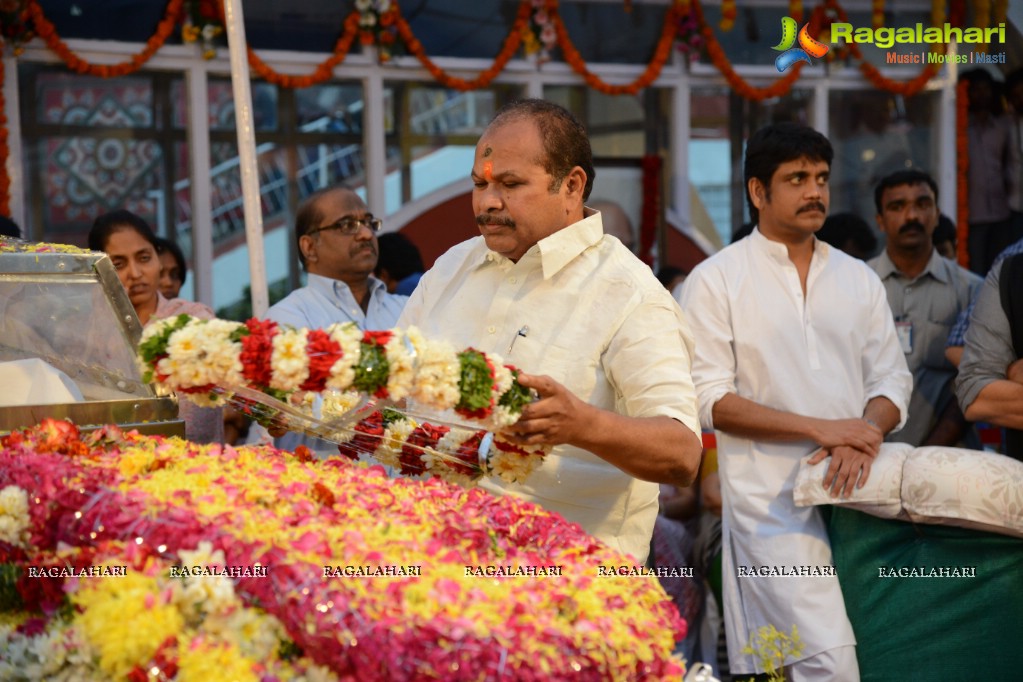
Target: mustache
{"points": [[494, 220], [911, 225], [813, 206]]}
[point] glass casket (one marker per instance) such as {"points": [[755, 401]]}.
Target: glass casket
{"points": [[68, 334]]}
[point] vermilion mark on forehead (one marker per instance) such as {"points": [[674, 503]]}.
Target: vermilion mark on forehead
{"points": [[488, 171]]}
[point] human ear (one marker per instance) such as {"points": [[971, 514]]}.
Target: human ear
{"points": [[756, 192]]}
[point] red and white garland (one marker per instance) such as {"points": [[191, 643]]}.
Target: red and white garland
{"points": [[259, 363]]}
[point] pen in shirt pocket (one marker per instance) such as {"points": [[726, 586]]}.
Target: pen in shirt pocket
{"points": [[523, 332]]}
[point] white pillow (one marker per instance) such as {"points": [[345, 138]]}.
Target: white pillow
{"points": [[881, 496], [967, 488]]}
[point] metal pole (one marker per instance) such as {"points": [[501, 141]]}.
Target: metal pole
{"points": [[247, 154]]}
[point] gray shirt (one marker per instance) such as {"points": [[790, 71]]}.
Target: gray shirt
{"points": [[988, 351], [925, 308]]}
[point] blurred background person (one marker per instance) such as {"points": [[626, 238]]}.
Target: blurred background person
{"points": [[993, 174], [399, 264], [132, 247], [173, 267], [945, 238], [9, 228], [849, 233], [616, 222]]}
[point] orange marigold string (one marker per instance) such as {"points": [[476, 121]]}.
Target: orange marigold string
{"points": [[511, 45], [649, 75], [47, 31], [720, 60], [962, 168], [323, 72], [871, 72]]}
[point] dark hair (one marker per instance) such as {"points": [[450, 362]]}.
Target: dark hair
{"points": [[981, 76], [841, 228], [1013, 79], [171, 247], [908, 176], [775, 144], [668, 273], [743, 231], [309, 216], [565, 142], [115, 221], [9, 228], [398, 255], [945, 231]]}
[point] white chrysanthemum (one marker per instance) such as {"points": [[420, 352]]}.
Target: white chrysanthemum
{"points": [[55, 654], [437, 372], [400, 366], [184, 362], [14, 519], [502, 417], [289, 361], [220, 354], [394, 439], [258, 635], [337, 403], [342, 373], [199, 596], [515, 467]]}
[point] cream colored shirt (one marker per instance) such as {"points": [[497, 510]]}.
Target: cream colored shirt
{"points": [[594, 318]]}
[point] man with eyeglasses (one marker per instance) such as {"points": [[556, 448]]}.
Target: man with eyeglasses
{"points": [[337, 244]]}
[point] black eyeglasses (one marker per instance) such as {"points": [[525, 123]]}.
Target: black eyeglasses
{"points": [[349, 225]]}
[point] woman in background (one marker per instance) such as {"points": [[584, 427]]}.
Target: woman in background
{"points": [[131, 245]]}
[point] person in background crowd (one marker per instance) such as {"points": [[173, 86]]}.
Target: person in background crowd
{"points": [[173, 267], [598, 338], [990, 382], [616, 222], [926, 293], [400, 265], [946, 238], [337, 243], [9, 228], [994, 170], [850, 233], [1014, 96], [796, 356], [671, 277], [131, 245], [957, 336]]}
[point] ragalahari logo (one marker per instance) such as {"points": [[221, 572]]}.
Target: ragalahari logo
{"points": [[808, 47]]}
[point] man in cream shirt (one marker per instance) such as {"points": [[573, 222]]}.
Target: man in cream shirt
{"points": [[603, 343]]}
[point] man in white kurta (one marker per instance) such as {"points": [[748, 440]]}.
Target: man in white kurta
{"points": [[546, 290], [796, 352]]}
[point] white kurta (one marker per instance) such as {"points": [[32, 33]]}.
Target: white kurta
{"points": [[823, 357], [582, 309]]}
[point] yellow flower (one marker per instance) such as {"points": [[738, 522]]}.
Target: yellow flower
{"points": [[201, 661], [126, 620]]}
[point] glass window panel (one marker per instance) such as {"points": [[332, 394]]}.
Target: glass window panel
{"points": [[335, 108], [72, 99], [876, 133], [82, 177], [221, 105]]}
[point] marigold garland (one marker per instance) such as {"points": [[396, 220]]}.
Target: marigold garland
{"points": [[871, 72], [511, 45], [718, 57], [962, 170], [47, 31], [649, 75], [323, 72]]}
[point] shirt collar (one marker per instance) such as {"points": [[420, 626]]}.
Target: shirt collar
{"points": [[335, 288], [780, 252], [557, 250], [935, 267]]}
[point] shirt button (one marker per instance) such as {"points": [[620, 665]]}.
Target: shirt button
{"points": [[512, 280], [490, 258], [491, 329]]}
